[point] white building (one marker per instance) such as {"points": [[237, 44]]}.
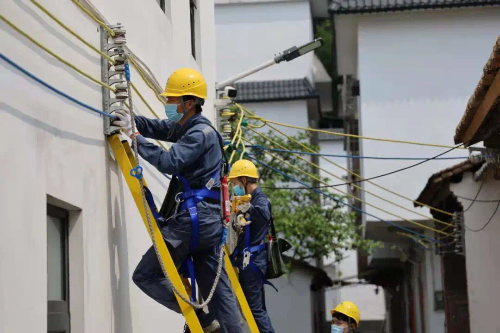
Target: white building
{"points": [[66, 211], [249, 33], [415, 77], [471, 190]]}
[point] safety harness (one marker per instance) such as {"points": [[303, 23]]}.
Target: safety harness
{"points": [[188, 199], [248, 253]]}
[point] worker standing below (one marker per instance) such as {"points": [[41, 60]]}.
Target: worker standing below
{"points": [[250, 255], [193, 230], [345, 318]]}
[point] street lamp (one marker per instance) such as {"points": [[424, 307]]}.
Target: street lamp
{"points": [[287, 55]]}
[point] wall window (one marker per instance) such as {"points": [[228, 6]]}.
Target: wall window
{"points": [[57, 270], [193, 8]]}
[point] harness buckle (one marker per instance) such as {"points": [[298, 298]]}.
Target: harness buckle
{"points": [[177, 202], [246, 258]]}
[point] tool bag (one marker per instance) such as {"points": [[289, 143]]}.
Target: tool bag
{"points": [[275, 247]]}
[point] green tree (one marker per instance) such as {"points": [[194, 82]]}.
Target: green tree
{"points": [[315, 225], [324, 53]]}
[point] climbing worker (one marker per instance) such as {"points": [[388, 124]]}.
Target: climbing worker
{"points": [[191, 225], [250, 255], [345, 318]]}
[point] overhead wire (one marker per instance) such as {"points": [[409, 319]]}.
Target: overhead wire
{"points": [[152, 83], [489, 220], [356, 186], [57, 91], [477, 200], [237, 134], [353, 196], [92, 16], [80, 38], [31, 39], [348, 135], [340, 201], [257, 147], [111, 60], [137, 67], [361, 179], [477, 194]]}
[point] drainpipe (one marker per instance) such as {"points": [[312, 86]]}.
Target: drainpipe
{"points": [[335, 69]]}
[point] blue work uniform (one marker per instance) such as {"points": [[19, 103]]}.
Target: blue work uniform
{"points": [[251, 281], [195, 155]]}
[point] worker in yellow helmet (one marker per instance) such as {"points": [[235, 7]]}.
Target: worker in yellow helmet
{"points": [[250, 255], [194, 229], [345, 318]]}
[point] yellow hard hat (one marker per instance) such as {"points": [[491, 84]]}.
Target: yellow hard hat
{"points": [[349, 309], [186, 81], [243, 168]]}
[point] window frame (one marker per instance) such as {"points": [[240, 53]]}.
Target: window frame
{"points": [[58, 312]]}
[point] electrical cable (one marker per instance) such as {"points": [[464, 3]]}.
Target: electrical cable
{"points": [[67, 63], [375, 177], [92, 16], [356, 186], [257, 147], [358, 199], [491, 218], [341, 202], [477, 194], [480, 201], [57, 91], [80, 38], [352, 172], [348, 135]]}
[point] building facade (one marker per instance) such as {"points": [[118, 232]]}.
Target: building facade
{"points": [[406, 62], [70, 229]]}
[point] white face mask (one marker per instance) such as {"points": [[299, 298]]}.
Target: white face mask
{"points": [[337, 329]]}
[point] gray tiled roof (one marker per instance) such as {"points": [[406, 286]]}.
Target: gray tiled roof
{"points": [[372, 6], [276, 90]]}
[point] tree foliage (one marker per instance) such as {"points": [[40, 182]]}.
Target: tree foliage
{"points": [[316, 225], [324, 53]]}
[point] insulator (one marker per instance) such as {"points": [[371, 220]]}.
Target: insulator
{"points": [[226, 128], [120, 60], [119, 40], [121, 95]]}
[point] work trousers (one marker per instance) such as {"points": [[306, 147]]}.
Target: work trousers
{"points": [[251, 284], [149, 277]]}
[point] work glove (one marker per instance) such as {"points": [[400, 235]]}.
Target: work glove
{"points": [[244, 207], [124, 121], [239, 222]]}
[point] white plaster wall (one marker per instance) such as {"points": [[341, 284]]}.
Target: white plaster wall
{"points": [[483, 271], [251, 34], [434, 320], [53, 147], [417, 71], [289, 112], [290, 308]]}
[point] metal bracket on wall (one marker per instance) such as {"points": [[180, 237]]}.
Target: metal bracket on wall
{"points": [[115, 77]]}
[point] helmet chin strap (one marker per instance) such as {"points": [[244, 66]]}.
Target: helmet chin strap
{"points": [[184, 111]]}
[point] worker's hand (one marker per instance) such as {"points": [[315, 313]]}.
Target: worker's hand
{"points": [[124, 121], [244, 207], [239, 222], [242, 221]]}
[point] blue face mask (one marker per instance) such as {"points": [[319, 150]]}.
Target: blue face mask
{"points": [[172, 114], [337, 329], [238, 191]]}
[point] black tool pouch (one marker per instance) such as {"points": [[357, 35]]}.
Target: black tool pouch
{"points": [[275, 247]]}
